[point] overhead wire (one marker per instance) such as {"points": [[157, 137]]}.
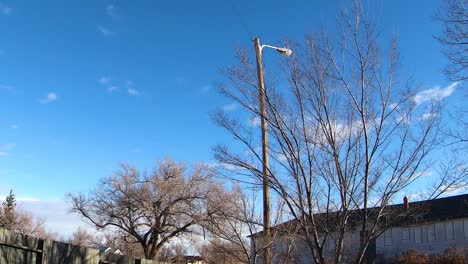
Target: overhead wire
{"points": [[242, 22]]}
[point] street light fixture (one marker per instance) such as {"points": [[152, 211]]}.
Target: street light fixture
{"points": [[285, 51], [265, 159]]}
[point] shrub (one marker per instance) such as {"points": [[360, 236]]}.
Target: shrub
{"points": [[411, 256], [450, 256]]}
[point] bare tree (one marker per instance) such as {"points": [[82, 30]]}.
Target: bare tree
{"points": [[165, 253], [82, 237], [178, 251], [23, 222], [27, 224], [149, 210], [231, 220], [346, 137], [455, 38], [234, 219]]}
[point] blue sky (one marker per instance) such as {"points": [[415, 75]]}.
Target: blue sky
{"points": [[89, 84]]}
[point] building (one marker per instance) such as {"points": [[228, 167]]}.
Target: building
{"points": [[186, 259], [430, 226]]}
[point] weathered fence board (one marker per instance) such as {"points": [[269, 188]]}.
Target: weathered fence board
{"points": [[23, 249]]}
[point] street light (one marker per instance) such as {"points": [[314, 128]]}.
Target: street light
{"points": [[265, 160], [285, 51]]}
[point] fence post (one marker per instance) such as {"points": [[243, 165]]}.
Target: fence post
{"points": [[40, 253]]}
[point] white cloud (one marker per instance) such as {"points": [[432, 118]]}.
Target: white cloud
{"points": [[255, 121], [133, 92], [56, 213], [105, 31], [111, 11], [281, 158], [111, 88], [7, 88], [4, 9], [8, 146], [104, 80], [393, 106], [429, 115], [136, 150], [50, 97], [5, 149], [436, 93], [230, 107], [26, 199], [422, 173]]}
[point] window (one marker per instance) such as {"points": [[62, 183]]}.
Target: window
{"points": [[405, 233], [465, 228], [388, 237], [418, 235], [431, 233], [448, 231]]}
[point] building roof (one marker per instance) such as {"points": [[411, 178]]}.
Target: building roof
{"points": [[188, 258], [435, 210], [441, 209]]}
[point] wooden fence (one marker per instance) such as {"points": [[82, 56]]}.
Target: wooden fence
{"points": [[23, 249]]}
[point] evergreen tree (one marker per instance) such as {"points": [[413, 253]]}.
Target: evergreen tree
{"points": [[7, 219]]}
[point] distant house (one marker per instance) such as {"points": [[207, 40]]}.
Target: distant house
{"points": [[188, 260], [431, 227], [110, 250]]}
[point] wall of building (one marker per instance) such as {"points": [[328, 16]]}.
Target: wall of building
{"points": [[433, 238]]}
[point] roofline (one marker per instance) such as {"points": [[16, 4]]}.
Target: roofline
{"points": [[455, 197]]}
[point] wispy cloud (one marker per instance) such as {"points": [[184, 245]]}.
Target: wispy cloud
{"points": [[136, 150], [8, 88], [230, 107], [133, 92], [111, 11], [50, 97], [111, 89], [130, 89], [5, 149], [429, 115], [4, 9], [107, 81], [14, 126], [56, 212], [9, 146], [104, 80], [255, 121], [436, 93], [206, 88], [423, 173], [105, 31]]}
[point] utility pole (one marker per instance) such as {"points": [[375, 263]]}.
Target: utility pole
{"points": [[265, 160]]}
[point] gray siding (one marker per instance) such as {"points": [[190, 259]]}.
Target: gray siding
{"points": [[433, 238]]}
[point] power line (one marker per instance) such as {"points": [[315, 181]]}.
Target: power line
{"points": [[241, 20]]}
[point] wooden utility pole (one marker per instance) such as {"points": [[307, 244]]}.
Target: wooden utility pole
{"points": [[265, 160]]}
